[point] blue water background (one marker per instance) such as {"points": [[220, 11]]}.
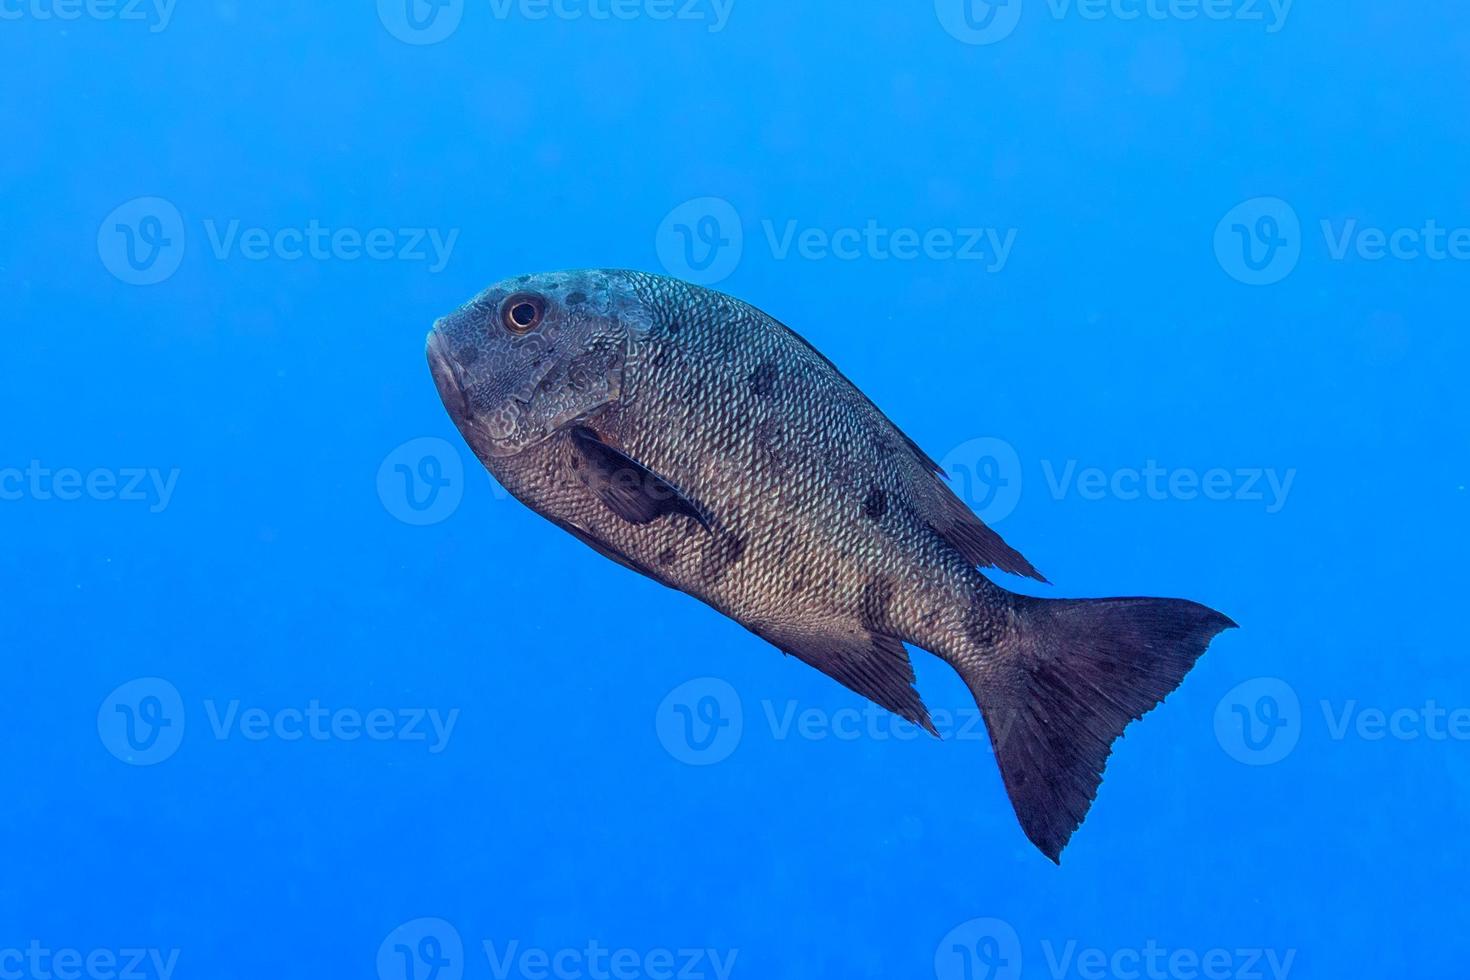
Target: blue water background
{"points": [[283, 571]]}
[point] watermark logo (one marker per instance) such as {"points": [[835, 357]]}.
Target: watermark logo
{"points": [[1259, 722], [981, 949], [986, 474], [979, 21], [420, 22], [424, 949], [700, 722], [128, 484], [1259, 242], [142, 241], [156, 13], [431, 949], [422, 481], [42, 962], [142, 722], [703, 721], [991, 949], [991, 21], [701, 241]]}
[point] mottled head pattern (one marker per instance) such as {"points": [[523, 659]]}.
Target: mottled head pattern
{"points": [[530, 354]]}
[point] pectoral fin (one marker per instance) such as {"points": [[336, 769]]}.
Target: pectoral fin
{"points": [[628, 488]]}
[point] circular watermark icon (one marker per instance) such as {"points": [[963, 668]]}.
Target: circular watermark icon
{"points": [[142, 721], [700, 721], [142, 241], [981, 949], [424, 949], [422, 481], [701, 240], [986, 475], [979, 21], [421, 21], [1259, 242], [1259, 722]]}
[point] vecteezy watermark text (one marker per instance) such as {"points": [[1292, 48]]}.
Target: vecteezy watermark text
{"points": [[36, 961], [992, 21], [869, 722], [703, 240], [1251, 484], [143, 241], [703, 721], [422, 22], [432, 947], [1261, 241], [987, 474], [597, 960], [318, 242], [316, 723], [1260, 722], [143, 721], [991, 246], [993, 949], [128, 484], [714, 13], [155, 13]]}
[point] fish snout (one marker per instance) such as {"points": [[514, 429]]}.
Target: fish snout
{"points": [[448, 375]]}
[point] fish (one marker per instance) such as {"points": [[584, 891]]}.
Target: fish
{"points": [[692, 438]]}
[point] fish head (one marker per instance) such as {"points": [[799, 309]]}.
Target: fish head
{"points": [[533, 354]]}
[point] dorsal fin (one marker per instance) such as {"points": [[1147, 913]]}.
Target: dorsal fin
{"points": [[972, 537]]}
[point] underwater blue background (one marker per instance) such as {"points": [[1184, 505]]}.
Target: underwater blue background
{"points": [[227, 485]]}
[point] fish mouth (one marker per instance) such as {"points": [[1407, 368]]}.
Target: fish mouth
{"points": [[448, 376], [483, 432]]}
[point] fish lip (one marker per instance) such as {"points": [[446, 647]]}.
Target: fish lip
{"points": [[448, 375]]}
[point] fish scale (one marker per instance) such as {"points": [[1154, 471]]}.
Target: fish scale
{"points": [[689, 362]]}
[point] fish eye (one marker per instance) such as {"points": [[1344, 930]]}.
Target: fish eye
{"points": [[522, 312]]}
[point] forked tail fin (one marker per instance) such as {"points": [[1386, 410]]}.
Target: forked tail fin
{"points": [[1058, 691]]}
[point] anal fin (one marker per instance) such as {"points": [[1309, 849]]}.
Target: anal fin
{"points": [[870, 664]]}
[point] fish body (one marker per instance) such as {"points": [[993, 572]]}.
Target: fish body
{"points": [[696, 440]]}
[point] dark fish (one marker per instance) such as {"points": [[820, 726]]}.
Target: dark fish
{"points": [[692, 438]]}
